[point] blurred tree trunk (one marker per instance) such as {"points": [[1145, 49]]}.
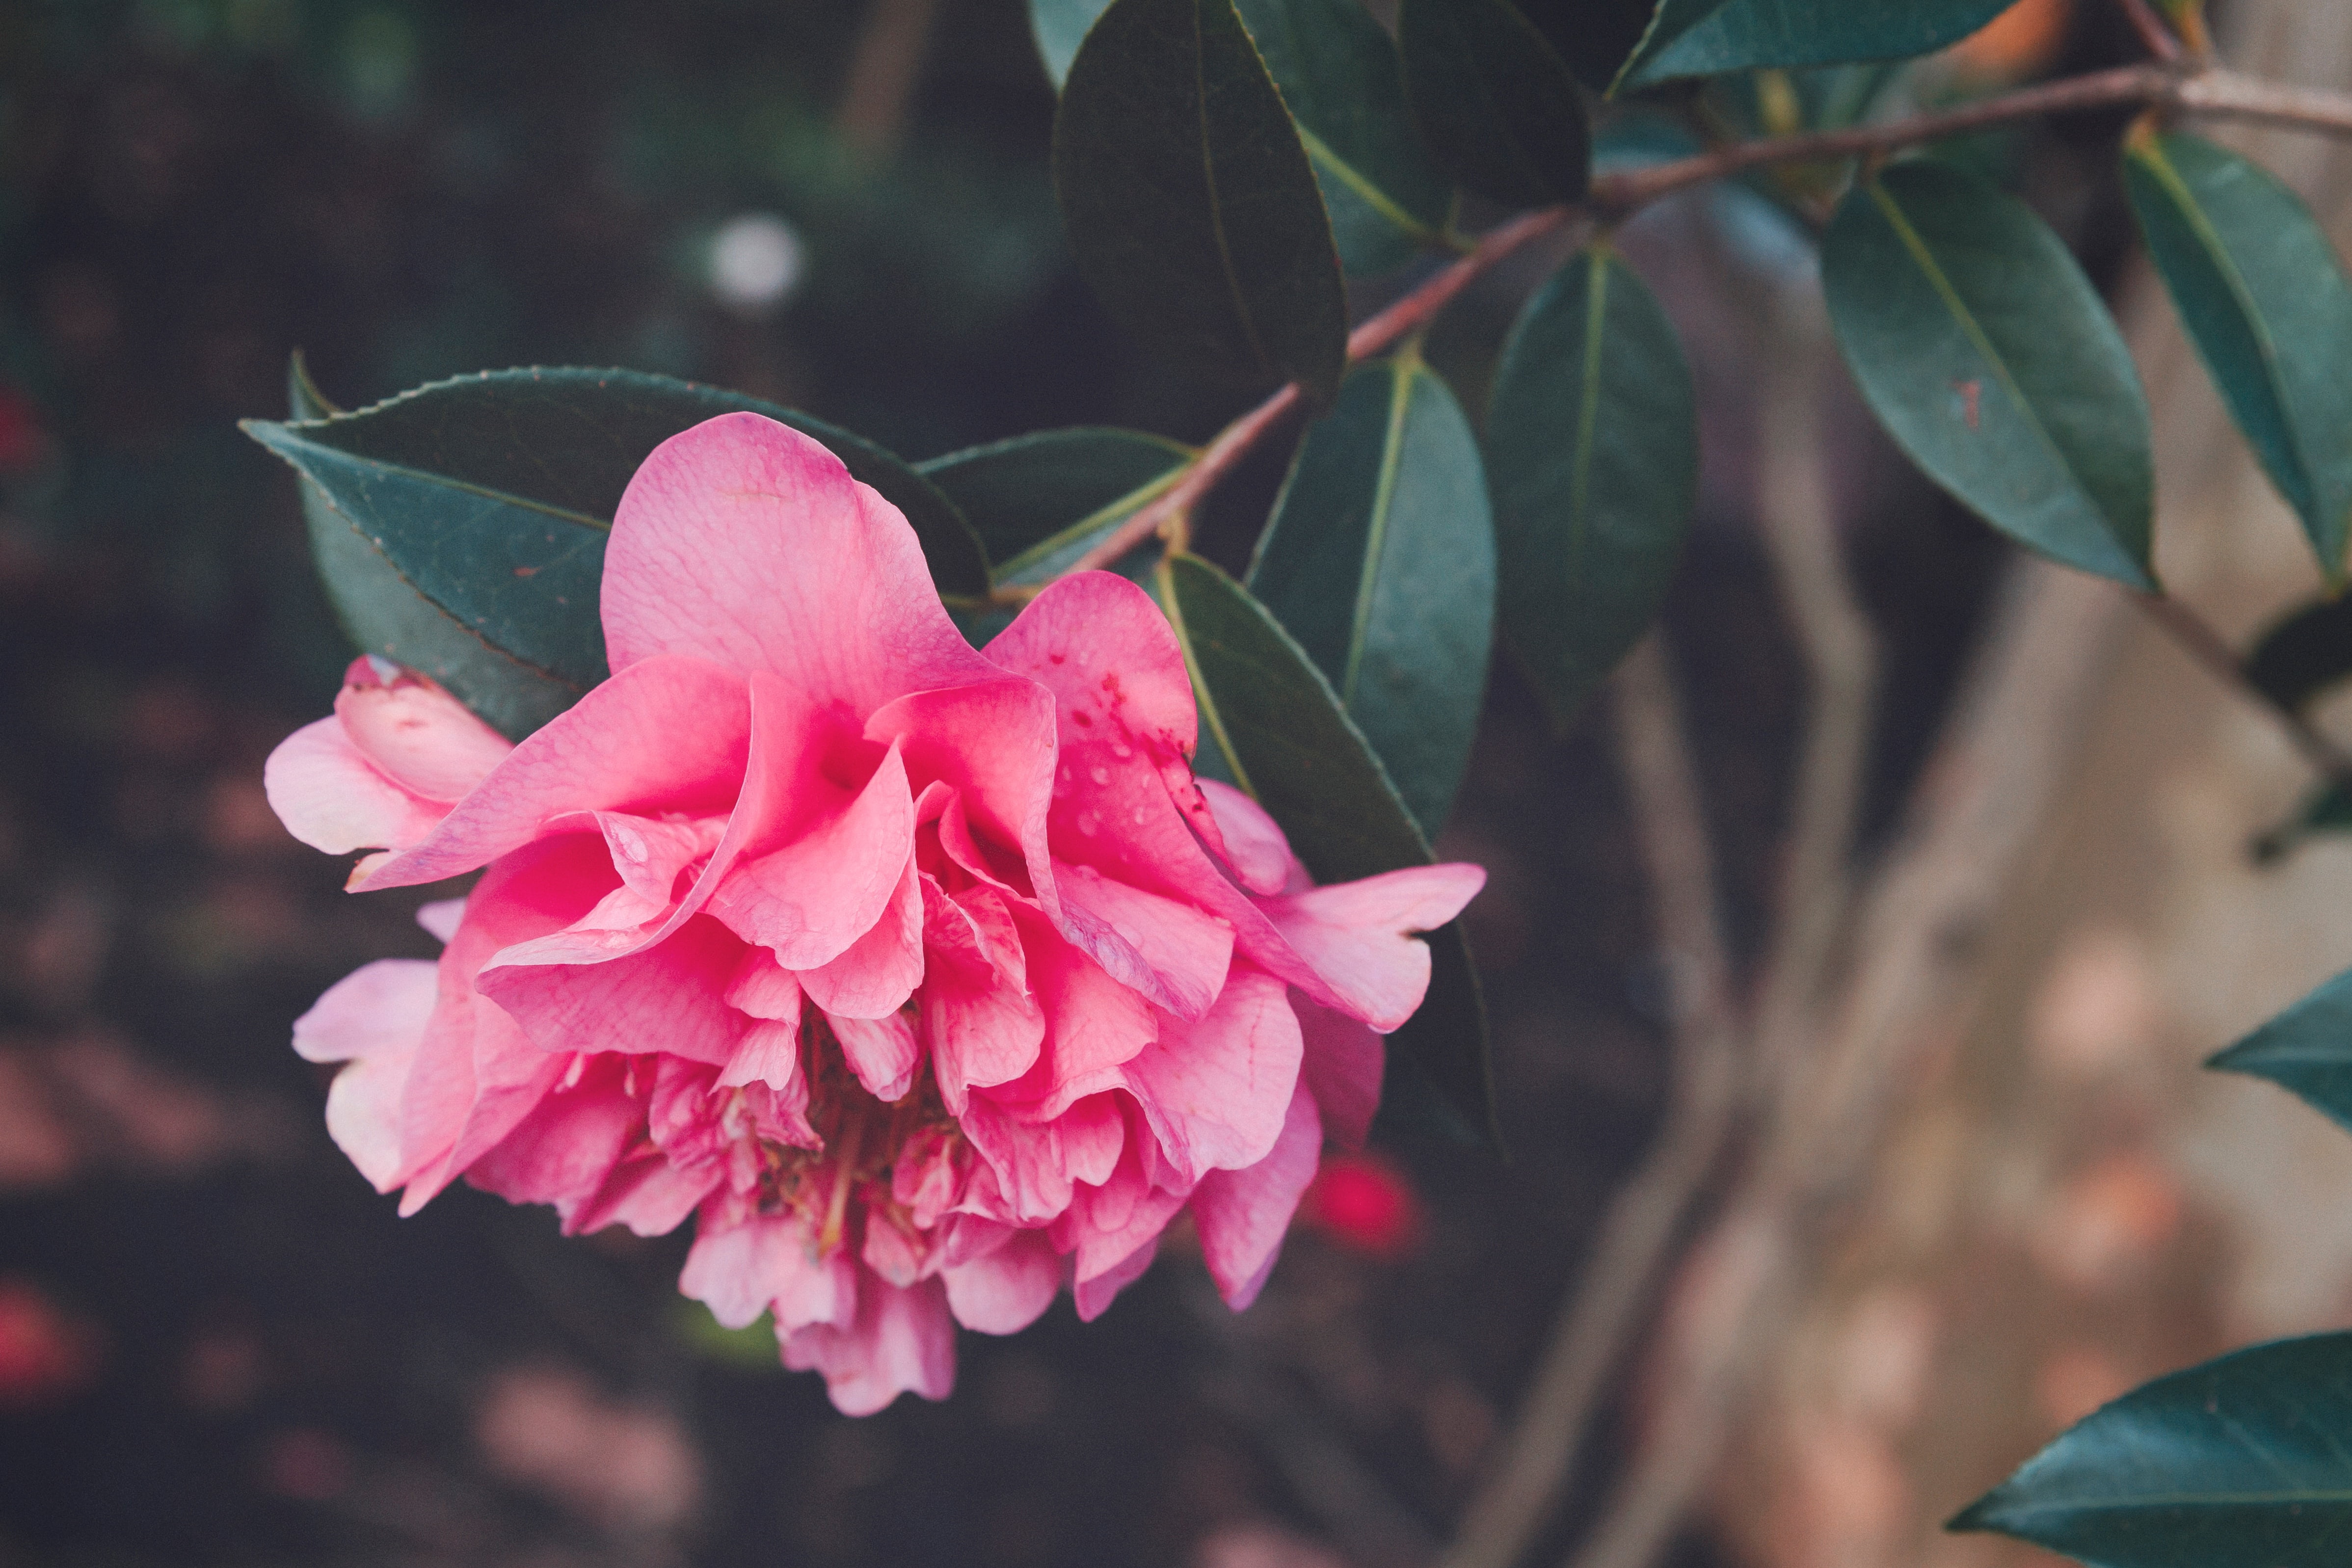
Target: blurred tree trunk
{"points": [[2067, 1206]]}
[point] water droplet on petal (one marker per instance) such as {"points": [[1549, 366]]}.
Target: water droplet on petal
{"points": [[1099, 775], [1090, 823], [1121, 750], [1140, 817]]}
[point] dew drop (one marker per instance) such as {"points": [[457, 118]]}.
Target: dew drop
{"points": [[1090, 823], [1121, 750], [1140, 817], [1099, 775]]}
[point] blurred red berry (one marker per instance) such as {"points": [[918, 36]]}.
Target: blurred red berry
{"points": [[24, 437], [42, 1353], [1366, 1203]]}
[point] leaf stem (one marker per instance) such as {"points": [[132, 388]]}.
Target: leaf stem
{"points": [[2172, 85], [2193, 636], [2151, 29]]}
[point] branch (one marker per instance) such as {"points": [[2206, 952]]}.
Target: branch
{"points": [[2151, 29], [1601, 1316], [2193, 637]]}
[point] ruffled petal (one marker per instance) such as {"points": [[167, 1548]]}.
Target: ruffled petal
{"points": [[903, 1340], [882, 1052], [1215, 1091], [1243, 1214], [1342, 1069], [379, 1007], [768, 1264], [978, 1018], [667, 997], [364, 1107], [875, 975], [810, 898], [416, 733], [1363, 938], [333, 799], [746, 543], [1007, 1289], [1254, 846]]}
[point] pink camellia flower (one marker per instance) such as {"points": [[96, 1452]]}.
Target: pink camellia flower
{"points": [[928, 980]]}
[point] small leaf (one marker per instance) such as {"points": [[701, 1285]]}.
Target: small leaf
{"points": [[2305, 655], [1380, 561], [1593, 442], [1339, 78], [1708, 37], [1039, 502], [1495, 100], [461, 527], [2243, 1462], [1060, 27], [2306, 1048], [2265, 300], [1190, 202], [1275, 723], [1989, 357]]}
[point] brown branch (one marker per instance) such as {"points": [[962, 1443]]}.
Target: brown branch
{"points": [[2151, 29], [2193, 637], [2230, 96], [1602, 1315]]}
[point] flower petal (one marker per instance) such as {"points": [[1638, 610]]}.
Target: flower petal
{"points": [[810, 898], [379, 1007], [667, 997], [768, 1264], [881, 1051], [1006, 1290], [1342, 1069], [744, 542], [1242, 1215], [416, 733], [1362, 938], [876, 974], [978, 1018], [902, 1340], [1215, 1091], [333, 799], [1254, 844]]}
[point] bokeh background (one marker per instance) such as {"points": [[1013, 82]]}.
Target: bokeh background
{"points": [[218, 1346]]}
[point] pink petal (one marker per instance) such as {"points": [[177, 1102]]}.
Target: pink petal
{"points": [[1363, 938], [1183, 953], [648, 1193], [1254, 844], [1035, 1163], [364, 1107], [1094, 1295], [1242, 1215], [441, 917], [333, 799], [416, 733], [746, 543], [993, 745], [565, 1148], [768, 1053], [668, 735], [765, 1264], [977, 1019], [1342, 1069], [1095, 1027], [1215, 1091], [881, 1051], [902, 1340], [810, 898], [876, 974], [666, 997], [1006, 1290], [764, 988], [379, 1007]]}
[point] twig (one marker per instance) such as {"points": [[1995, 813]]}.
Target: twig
{"points": [[883, 74], [1981, 798], [1842, 658], [1600, 1317], [2151, 29], [1613, 196], [2193, 637]]}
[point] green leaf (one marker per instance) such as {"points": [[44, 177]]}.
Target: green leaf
{"points": [[1060, 27], [461, 527], [1706, 37], [1380, 561], [2265, 300], [1989, 357], [2306, 1048], [1592, 441], [1339, 73], [302, 395], [2243, 1462], [1190, 202], [1496, 101], [2305, 655], [1039, 502], [1278, 726]]}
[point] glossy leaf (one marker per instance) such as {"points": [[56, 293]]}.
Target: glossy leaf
{"points": [[1592, 441], [1038, 502], [1060, 27], [2306, 1048], [1989, 357], [1707, 37], [1380, 560], [1190, 202], [1278, 728], [461, 527], [2265, 300], [2303, 655], [1338, 73], [2243, 1462], [1496, 101]]}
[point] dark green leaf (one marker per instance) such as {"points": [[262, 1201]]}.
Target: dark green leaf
{"points": [[1190, 202], [1038, 502], [1280, 730], [1594, 36], [1593, 439], [1991, 359], [1706, 37], [1339, 75], [1059, 27], [461, 527], [2243, 1462], [1380, 561], [2305, 655], [1495, 100], [2306, 1048], [2265, 300]]}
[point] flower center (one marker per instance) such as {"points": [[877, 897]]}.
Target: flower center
{"points": [[847, 1183]]}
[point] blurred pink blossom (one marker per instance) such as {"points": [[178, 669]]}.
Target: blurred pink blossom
{"points": [[929, 980]]}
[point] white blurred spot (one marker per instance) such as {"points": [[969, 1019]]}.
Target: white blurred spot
{"points": [[756, 262]]}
